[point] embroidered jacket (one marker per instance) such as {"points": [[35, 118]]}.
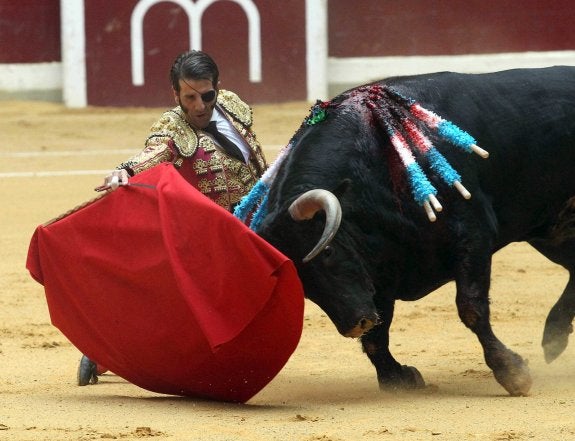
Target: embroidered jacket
{"points": [[201, 162]]}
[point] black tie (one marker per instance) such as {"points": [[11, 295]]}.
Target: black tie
{"points": [[230, 148]]}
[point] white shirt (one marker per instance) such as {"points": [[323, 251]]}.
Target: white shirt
{"points": [[226, 128]]}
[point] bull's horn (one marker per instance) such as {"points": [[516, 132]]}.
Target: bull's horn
{"points": [[307, 205]]}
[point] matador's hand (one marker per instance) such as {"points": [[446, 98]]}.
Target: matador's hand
{"points": [[114, 180]]}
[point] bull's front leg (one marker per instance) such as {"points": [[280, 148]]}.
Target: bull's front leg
{"points": [[390, 374], [473, 281]]}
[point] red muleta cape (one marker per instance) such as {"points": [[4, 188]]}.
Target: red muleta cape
{"points": [[170, 291]]}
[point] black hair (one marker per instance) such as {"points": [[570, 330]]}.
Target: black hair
{"points": [[194, 65]]}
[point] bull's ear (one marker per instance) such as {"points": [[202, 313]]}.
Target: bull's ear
{"points": [[342, 188]]}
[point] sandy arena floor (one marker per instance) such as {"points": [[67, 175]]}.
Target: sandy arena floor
{"points": [[327, 391]]}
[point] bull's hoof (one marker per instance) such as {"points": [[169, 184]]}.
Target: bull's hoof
{"points": [[555, 341], [407, 377], [516, 381]]}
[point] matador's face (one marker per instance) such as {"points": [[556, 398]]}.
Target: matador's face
{"points": [[197, 99]]}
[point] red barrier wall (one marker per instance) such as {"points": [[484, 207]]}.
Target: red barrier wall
{"points": [[29, 31], [367, 28], [166, 34]]}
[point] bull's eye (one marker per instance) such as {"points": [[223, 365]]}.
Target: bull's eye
{"points": [[327, 251]]}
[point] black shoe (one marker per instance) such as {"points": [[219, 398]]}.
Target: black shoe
{"points": [[87, 372]]}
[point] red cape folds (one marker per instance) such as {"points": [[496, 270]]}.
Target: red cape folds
{"points": [[170, 291]]}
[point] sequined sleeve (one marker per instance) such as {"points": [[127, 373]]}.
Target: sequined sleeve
{"points": [[161, 145], [158, 149]]}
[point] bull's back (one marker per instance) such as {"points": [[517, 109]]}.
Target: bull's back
{"points": [[525, 118]]}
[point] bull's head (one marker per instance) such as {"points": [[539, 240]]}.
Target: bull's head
{"points": [[332, 271]]}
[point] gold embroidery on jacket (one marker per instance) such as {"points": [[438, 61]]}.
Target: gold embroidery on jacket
{"points": [[200, 167], [153, 154], [220, 183], [236, 107], [204, 185], [207, 144], [173, 125], [230, 179], [215, 164]]}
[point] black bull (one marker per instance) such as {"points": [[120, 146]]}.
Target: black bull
{"points": [[386, 249]]}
